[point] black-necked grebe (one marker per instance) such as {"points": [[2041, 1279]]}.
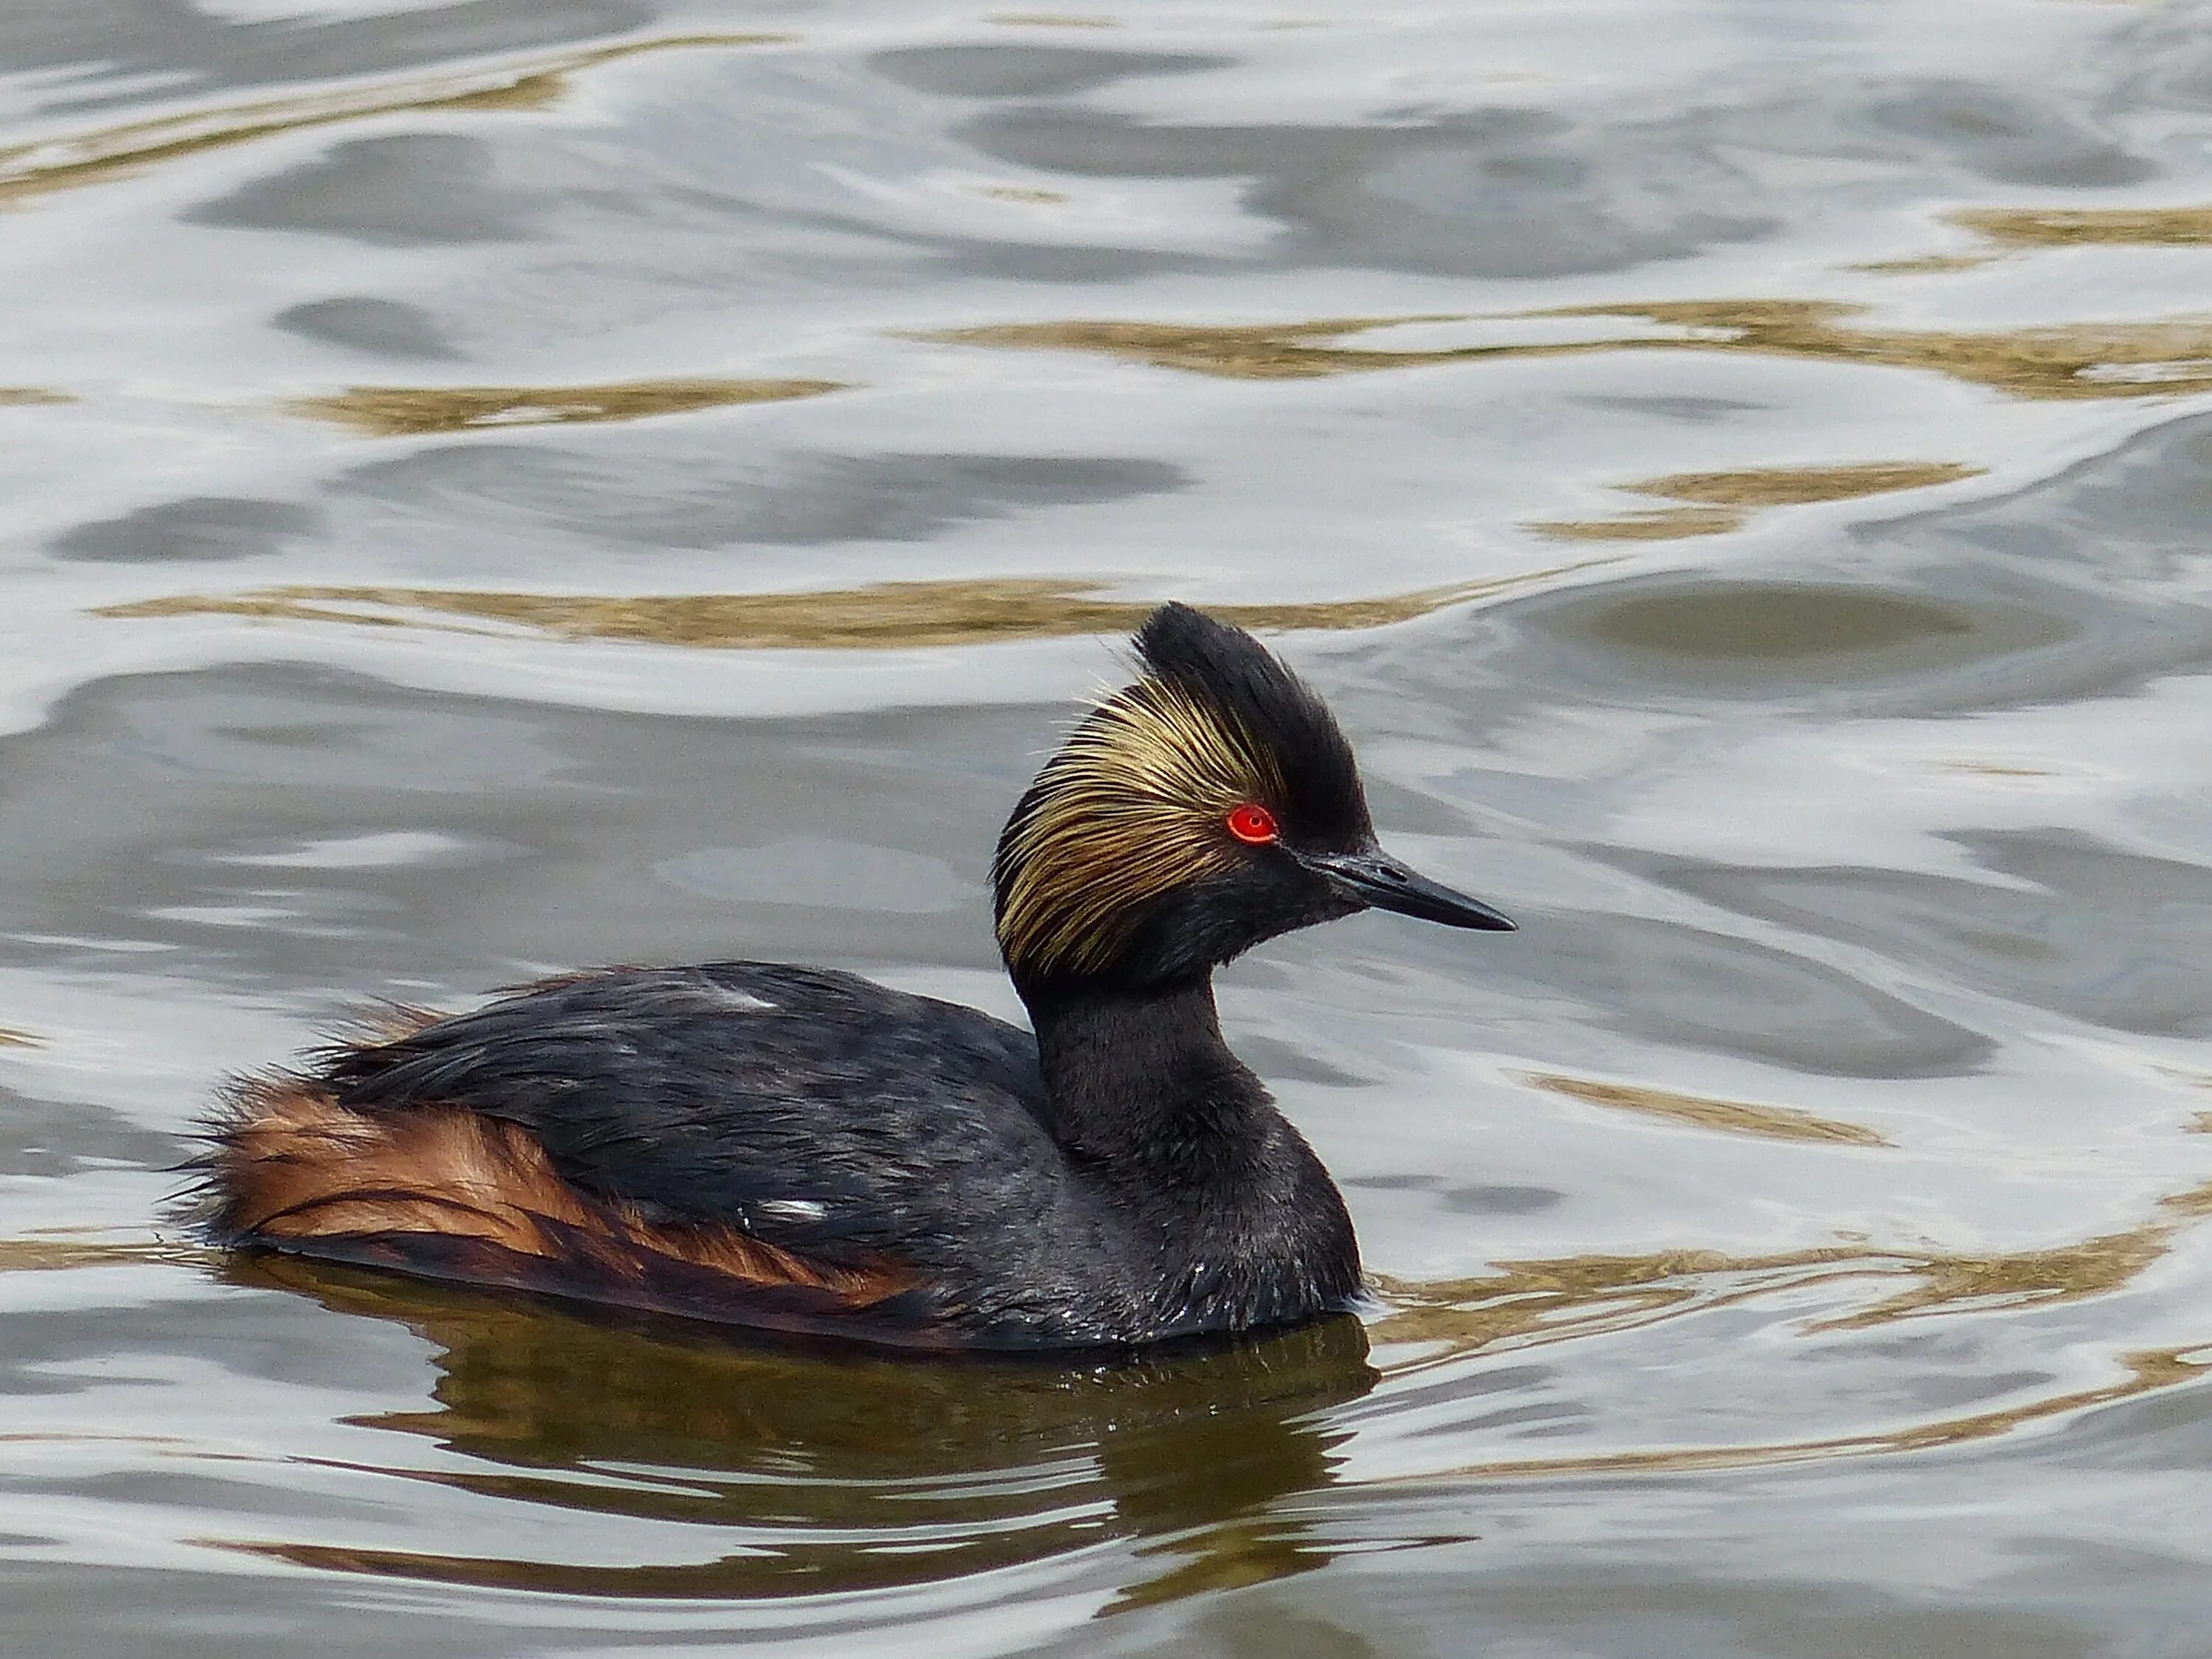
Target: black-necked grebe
{"points": [[800, 1149]]}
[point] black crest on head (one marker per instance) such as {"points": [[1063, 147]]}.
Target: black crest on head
{"points": [[1120, 859], [1231, 672]]}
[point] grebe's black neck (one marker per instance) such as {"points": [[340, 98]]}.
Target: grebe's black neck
{"points": [[1139, 1077], [1229, 1217]]}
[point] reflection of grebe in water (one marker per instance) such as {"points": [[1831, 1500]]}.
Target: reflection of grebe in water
{"points": [[817, 1472], [801, 1149]]}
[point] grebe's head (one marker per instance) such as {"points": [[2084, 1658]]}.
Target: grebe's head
{"points": [[1212, 804]]}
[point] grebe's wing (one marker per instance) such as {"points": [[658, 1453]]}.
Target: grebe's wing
{"points": [[797, 1103], [765, 1144]]}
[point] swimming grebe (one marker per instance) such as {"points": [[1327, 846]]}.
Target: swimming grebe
{"points": [[800, 1149]]}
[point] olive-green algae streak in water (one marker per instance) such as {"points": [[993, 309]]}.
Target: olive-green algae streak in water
{"points": [[889, 615], [29, 171], [60, 1254], [2146, 1370], [1542, 1302], [1795, 486], [1724, 498], [2075, 360], [1731, 1116], [1662, 524], [2011, 230], [2141, 227], [392, 412]]}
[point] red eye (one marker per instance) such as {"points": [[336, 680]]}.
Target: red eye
{"points": [[1252, 823]]}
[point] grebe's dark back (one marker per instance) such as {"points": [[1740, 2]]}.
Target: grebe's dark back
{"points": [[801, 1149]]}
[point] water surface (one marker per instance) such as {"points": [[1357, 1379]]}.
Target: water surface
{"points": [[497, 486]]}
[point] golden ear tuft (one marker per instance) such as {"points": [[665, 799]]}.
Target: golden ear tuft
{"points": [[1133, 805]]}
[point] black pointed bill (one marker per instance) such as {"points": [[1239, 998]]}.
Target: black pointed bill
{"points": [[1382, 884]]}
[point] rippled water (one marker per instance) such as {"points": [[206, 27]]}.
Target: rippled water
{"points": [[512, 483]]}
